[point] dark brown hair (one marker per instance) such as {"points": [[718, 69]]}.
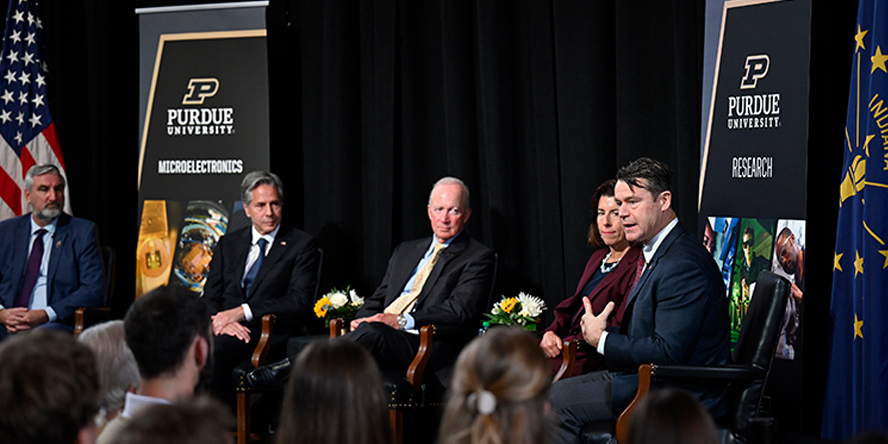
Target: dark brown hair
{"points": [[200, 420], [335, 396], [49, 388], [671, 416], [604, 190], [657, 177]]}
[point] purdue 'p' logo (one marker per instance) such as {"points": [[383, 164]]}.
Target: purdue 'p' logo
{"points": [[756, 68], [200, 89]]}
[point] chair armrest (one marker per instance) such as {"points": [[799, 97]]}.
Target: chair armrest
{"points": [[85, 316], [264, 345], [644, 386], [727, 372], [336, 327], [569, 362], [417, 367]]}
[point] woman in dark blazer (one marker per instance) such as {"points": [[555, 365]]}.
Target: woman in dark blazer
{"points": [[609, 276]]}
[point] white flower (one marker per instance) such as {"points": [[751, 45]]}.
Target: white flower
{"points": [[337, 299], [531, 306], [356, 300]]}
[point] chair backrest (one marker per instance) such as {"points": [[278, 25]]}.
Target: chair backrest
{"points": [[320, 267], [109, 260], [756, 347]]}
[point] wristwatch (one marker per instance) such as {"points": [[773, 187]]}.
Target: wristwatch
{"points": [[402, 321]]}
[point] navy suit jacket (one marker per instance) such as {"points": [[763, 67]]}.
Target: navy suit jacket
{"points": [[286, 281], [75, 277], [454, 295], [677, 314]]}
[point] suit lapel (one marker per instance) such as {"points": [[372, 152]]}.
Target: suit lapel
{"points": [[241, 251], [453, 250], [20, 255], [62, 231], [661, 250], [404, 271], [278, 247]]}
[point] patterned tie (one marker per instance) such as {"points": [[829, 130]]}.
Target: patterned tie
{"points": [[405, 302], [254, 269], [35, 260], [638, 271]]}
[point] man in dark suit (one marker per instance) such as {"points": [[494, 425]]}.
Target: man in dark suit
{"points": [[50, 262], [676, 314], [266, 268], [443, 281]]}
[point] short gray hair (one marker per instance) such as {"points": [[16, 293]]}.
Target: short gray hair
{"points": [[39, 170], [118, 370], [450, 180], [256, 178]]}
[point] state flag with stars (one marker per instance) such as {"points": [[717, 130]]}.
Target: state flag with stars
{"points": [[27, 133], [856, 398]]}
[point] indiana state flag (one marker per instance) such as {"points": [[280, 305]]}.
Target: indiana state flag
{"points": [[857, 387]]}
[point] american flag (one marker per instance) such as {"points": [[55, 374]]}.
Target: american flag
{"points": [[27, 133]]}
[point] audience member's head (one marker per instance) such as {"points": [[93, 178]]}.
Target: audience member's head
{"points": [[49, 390], [334, 396], [118, 371], [499, 391], [671, 416], [168, 331], [200, 420]]}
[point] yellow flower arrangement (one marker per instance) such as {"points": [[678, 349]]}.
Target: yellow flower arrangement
{"points": [[338, 304], [508, 304], [523, 310], [320, 307]]}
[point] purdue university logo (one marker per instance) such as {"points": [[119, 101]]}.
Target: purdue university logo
{"points": [[200, 89], [756, 68], [198, 120]]}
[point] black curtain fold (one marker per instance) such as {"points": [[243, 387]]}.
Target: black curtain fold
{"points": [[533, 104]]}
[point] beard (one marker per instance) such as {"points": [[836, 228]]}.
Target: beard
{"points": [[49, 213]]}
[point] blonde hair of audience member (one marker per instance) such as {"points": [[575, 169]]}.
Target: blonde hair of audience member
{"points": [[334, 396], [118, 370], [200, 420], [671, 416], [499, 391]]}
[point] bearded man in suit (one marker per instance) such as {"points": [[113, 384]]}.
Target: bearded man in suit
{"points": [[50, 262]]}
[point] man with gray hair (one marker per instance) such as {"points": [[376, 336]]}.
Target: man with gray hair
{"points": [[118, 370], [443, 281], [50, 262], [267, 267]]}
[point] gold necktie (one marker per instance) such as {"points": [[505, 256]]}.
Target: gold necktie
{"points": [[405, 302]]}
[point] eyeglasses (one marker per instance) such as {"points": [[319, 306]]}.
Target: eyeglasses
{"points": [[747, 244]]}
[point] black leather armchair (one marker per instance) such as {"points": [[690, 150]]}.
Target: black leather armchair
{"points": [[745, 375]]}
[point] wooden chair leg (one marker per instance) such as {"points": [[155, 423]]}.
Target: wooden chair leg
{"points": [[397, 417], [243, 419]]}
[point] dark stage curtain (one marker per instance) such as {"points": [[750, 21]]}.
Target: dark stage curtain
{"points": [[532, 103]]}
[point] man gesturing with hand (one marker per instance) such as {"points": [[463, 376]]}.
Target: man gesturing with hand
{"points": [[676, 312]]}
